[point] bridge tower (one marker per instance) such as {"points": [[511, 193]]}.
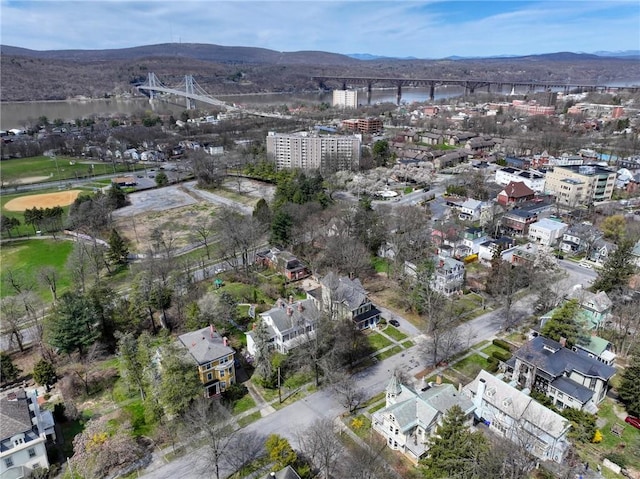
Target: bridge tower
{"points": [[189, 90], [153, 83]]}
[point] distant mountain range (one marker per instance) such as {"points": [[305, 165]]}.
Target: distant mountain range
{"points": [[550, 56]]}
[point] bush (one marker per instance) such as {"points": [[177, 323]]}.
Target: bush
{"points": [[502, 344], [492, 364], [234, 393], [617, 458], [501, 355]]}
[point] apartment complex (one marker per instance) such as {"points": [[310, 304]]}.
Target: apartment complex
{"points": [[363, 125], [345, 98], [533, 179], [312, 151], [581, 184]]}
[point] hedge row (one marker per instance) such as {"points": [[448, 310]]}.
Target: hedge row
{"points": [[501, 355], [502, 344]]}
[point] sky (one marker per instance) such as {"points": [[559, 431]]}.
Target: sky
{"points": [[394, 28]]}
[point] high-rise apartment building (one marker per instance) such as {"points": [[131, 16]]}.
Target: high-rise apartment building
{"points": [[345, 98], [311, 151]]}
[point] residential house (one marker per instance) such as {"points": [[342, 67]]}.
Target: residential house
{"points": [[480, 145], [472, 238], [598, 348], [470, 210], [515, 192], [452, 158], [522, 254], [579, 237], [411, 417], [601, 251], [431, 138], [547, 232], [214, 359], [284, 262], [488, 249], [288, 324], [596, 307], [448, 276], [345, 298], [514, 415], [569, 379], [25, 430], [286, 473], [518, 221]]}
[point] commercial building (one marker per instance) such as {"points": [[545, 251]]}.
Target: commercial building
{"points": [[533, 179], [581, 184], [363, 125], [312, 151], [345, 98]]}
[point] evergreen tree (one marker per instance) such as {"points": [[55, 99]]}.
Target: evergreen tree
{"points": [[162, 179], [281, 227], [564, 324], [629, 389], [454, 451], [261, 212], [9, 372], [179, 383], [8, 223], [71, 325], [617, 269], [44, 373], [118, 251]]}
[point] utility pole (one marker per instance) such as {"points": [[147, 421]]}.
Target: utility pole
{"points": [[279, 390]]}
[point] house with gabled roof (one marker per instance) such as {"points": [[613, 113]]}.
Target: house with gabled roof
{"points": [[25, 430], [213, 357], [514, 415], [515, 192], [288, 324], [569, 379], [345, 298], [411, 417], [601, 251]]}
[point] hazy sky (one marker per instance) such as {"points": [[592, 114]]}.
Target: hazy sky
{"points": [[400, 28]]}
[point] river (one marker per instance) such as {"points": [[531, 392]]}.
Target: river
{"points": [[22, 114]]}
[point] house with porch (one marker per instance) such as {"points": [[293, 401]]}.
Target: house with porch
{"points": [[213, 357], [601, 251], [25, 429], [411, 417], [569, 379], [448, 277], [344, 298], [514, 415], [518, 221], [288, 324], [579, 237]]}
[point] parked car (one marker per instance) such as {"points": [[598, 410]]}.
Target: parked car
{"points": [[394, 322], [634, 421], [584, 264]]}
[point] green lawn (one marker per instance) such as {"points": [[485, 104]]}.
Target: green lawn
{"points": [[26, 257], [43, 166], [489, 350], [407, 344], [253, 417], [395, 333], [381, 265], [470, 365], [388, 353], [243, 404], [378, 341]]}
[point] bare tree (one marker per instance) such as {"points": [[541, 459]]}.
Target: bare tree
{"points": [[244, 449], [13, 319], [346, 389], [209, 419], [240, 236], [50, 277], [204, 232], [366, 462], [320, 445], [78, 265], [346, 255]]}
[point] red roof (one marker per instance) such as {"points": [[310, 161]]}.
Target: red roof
{"points": [[517, 189]]}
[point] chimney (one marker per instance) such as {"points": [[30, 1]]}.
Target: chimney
{"points": [[438, 380], [289, 311], [300, 307], [273, 474], [563, 341], [477, 401], [212, 330], [225, 341], [290, 299]]}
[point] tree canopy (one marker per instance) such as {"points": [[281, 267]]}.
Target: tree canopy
{"points": [[629, 389], [72, 324]]}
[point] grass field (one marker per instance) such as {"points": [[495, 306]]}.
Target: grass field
{"points": [[42, 168], [26, 257]]}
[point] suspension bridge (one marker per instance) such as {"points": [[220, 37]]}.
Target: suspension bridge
{"points": [[192, 92]]}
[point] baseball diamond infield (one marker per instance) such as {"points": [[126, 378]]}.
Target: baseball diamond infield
{"points": [[44, 200]]}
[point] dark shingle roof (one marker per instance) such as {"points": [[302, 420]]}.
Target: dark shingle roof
{"points": [[547, 355], [14, 415], [573, 389], [205, 345]]}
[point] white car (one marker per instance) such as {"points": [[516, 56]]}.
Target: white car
{"points": [[584, 264]]}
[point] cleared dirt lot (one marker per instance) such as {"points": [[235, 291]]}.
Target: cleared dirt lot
{"points": [[43, 200]]}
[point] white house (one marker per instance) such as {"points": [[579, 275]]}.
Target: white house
{"points": [[410, 417], [470, 210], [547, 232], [24, 432], [517, 417], [289, 324], [448, 276]]}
